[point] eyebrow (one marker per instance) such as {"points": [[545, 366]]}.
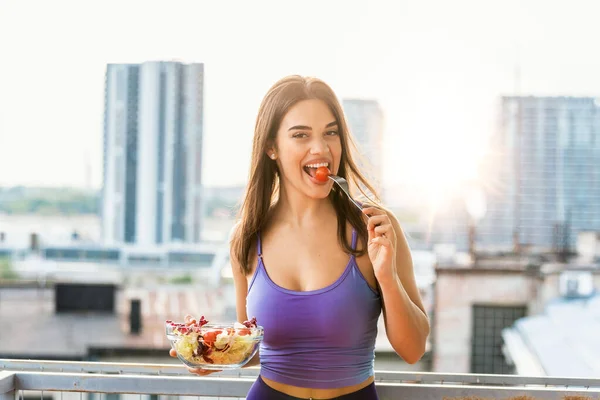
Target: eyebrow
{"points": [[308, 128]]}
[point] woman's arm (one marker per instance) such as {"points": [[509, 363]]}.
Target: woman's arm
{"points": [[240, 284], [406, 322]]}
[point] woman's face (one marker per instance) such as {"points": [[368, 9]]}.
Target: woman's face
{"points": [[308, 137]]}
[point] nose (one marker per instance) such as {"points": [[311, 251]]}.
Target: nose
{"points": [[319, 146]]}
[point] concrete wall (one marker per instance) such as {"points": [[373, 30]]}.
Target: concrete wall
{"points": [[456, 292]]}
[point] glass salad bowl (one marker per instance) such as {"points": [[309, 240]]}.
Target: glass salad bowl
{"points": [[214, 346]]}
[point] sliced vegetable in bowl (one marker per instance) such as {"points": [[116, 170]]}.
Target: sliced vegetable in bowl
{"points": [[214, 346]]}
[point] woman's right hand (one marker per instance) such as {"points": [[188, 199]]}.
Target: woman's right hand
{"points": [[197, 371]]}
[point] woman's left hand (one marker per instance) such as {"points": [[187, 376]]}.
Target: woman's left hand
{"points": [[382, 243]]}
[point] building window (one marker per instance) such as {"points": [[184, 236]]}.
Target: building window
{"points": [[486, 337]]}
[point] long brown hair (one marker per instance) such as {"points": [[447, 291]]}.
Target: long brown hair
{"points": [[263, 182]]}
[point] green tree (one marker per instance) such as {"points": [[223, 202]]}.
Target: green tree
{"points": [[6, 271]]}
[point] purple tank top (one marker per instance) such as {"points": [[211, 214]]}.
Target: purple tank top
{"points": [[321, 339]]}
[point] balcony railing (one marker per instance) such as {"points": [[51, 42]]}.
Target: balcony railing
{"points": [[32, 379]]}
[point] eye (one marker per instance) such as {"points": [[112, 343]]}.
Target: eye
{"points": [[299, 135], [332, 133]]}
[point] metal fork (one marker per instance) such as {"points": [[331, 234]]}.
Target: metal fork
{"points": [[343, 184]]}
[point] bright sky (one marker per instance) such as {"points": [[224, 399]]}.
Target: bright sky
{"points": [[437, 68]]}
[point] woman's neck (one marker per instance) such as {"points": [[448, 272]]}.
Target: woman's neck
{"points": [[301, 211]]}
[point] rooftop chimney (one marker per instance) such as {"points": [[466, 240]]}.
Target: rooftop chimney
{"points": [[472, 238], [34, 242], [135, 317]]}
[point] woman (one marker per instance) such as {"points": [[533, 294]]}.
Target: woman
{"points": [[312, 268]]}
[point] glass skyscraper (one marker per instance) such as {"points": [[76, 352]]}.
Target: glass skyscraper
{"points": [[545, 185], [153, 127]]}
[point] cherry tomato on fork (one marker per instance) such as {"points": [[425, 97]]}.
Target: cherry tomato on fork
{"points": [[322, 173]]}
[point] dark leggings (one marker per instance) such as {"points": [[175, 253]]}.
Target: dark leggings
{"points": [[261, 391]]}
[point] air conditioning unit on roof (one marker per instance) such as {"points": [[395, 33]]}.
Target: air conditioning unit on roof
{"points": [[576, 284]]}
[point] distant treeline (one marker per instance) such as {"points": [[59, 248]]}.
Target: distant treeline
{"points": [[48, 201]]}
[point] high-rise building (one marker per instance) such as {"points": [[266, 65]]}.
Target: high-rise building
{"points": [[153, 128], [547, 182], [365, 120]]}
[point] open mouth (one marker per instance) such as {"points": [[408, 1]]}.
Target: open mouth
{"points": [[311, 169]]}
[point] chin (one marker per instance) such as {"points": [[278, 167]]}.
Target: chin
{"points": [[319, 193], [319, 196]]}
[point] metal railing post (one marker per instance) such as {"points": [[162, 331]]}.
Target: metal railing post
{"points": [[7, 386]]}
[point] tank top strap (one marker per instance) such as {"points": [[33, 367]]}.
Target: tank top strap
{"points": [[258, 245], [354, 238]]}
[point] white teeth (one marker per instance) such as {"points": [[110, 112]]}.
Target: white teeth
{"points": [[318, 165]]}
